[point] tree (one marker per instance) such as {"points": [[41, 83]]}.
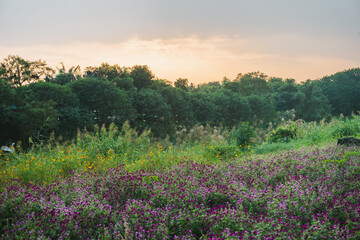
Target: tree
{"points": [[159, 84], [107, 103], [152, 112], [182, 83], [110, 72], [204, 107], [342, 90], [120, 76], [64, 77], [315, 105], [19, 71], [142, 76], [8, 116], [178, 100], [71, 115], [37, 119], [262, 106], [253, 83], [232, 107], [286, 93]]}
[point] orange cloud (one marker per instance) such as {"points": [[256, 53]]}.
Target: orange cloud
{"points": [[199, 60]]}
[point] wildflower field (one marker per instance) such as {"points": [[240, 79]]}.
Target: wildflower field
{"points": [[121, 186]]}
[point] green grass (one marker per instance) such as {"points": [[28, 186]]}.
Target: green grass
{"points": [[319, 134], [109, 148]]}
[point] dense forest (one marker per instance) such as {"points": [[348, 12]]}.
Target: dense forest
{"points": [[36, 100]]}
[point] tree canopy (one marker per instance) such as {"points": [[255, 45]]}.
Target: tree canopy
{"points": [[36, 101]]}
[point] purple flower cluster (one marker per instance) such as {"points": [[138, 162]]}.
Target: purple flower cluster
{"points": [[303, 194]]}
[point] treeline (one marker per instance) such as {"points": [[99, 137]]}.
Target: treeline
{"points": [[36, 100]]}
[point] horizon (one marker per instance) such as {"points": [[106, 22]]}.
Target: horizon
{"points": [[202, 41]]}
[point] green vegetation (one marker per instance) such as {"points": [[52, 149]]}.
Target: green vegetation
{"points": [[114, 153], [252, 181], [102, 149], [283, 133], [114, 183], [37, 102]]}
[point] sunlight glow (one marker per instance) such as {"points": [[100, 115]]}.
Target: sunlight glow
{"points": [[199, 60]]}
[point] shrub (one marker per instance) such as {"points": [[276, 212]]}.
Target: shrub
{"points": [[283, 134], [223, 151], [243, 134], [349, 127]]}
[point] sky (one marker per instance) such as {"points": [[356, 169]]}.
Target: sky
{"points": [[202, 40]]}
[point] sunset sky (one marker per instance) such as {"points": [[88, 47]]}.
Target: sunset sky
{"points": [[202, 40]]}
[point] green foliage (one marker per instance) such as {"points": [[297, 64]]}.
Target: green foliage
{"points": [[8, 117], [106, 71], [18, 71], [182, 83], [243, 135], [105, 142], [347, 127], [178, 99], [253, 83], [142, 76], [64, 77], [314, 105], [262, 106], [107, 103], [112, 94], [287, 94], [152, 112], [342, 91], [283, 134], [222, 151]]}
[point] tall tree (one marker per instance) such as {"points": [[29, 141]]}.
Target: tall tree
{"points": [[286, 93], [182, 83], [253, 83], [107, 103], [8, 116], [19, 71], [152, 112], [71, 115], [262, 106], [315, 105], [65, 76], [110, 72], [342, 90], [204, 107], [38, 117], [178, 99], [142, 76]]}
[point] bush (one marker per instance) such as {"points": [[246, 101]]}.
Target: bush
{"points": [[222, 151], [243, 135], [283, 134], [349, 127]]}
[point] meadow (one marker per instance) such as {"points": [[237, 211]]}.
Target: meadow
{"points": [[118, 184]]}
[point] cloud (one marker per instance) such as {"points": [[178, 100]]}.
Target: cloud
{"points": [[111, 21], [198, 59]]}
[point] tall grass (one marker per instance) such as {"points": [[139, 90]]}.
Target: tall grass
{"points": [[103, 149], [316, 133]]}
